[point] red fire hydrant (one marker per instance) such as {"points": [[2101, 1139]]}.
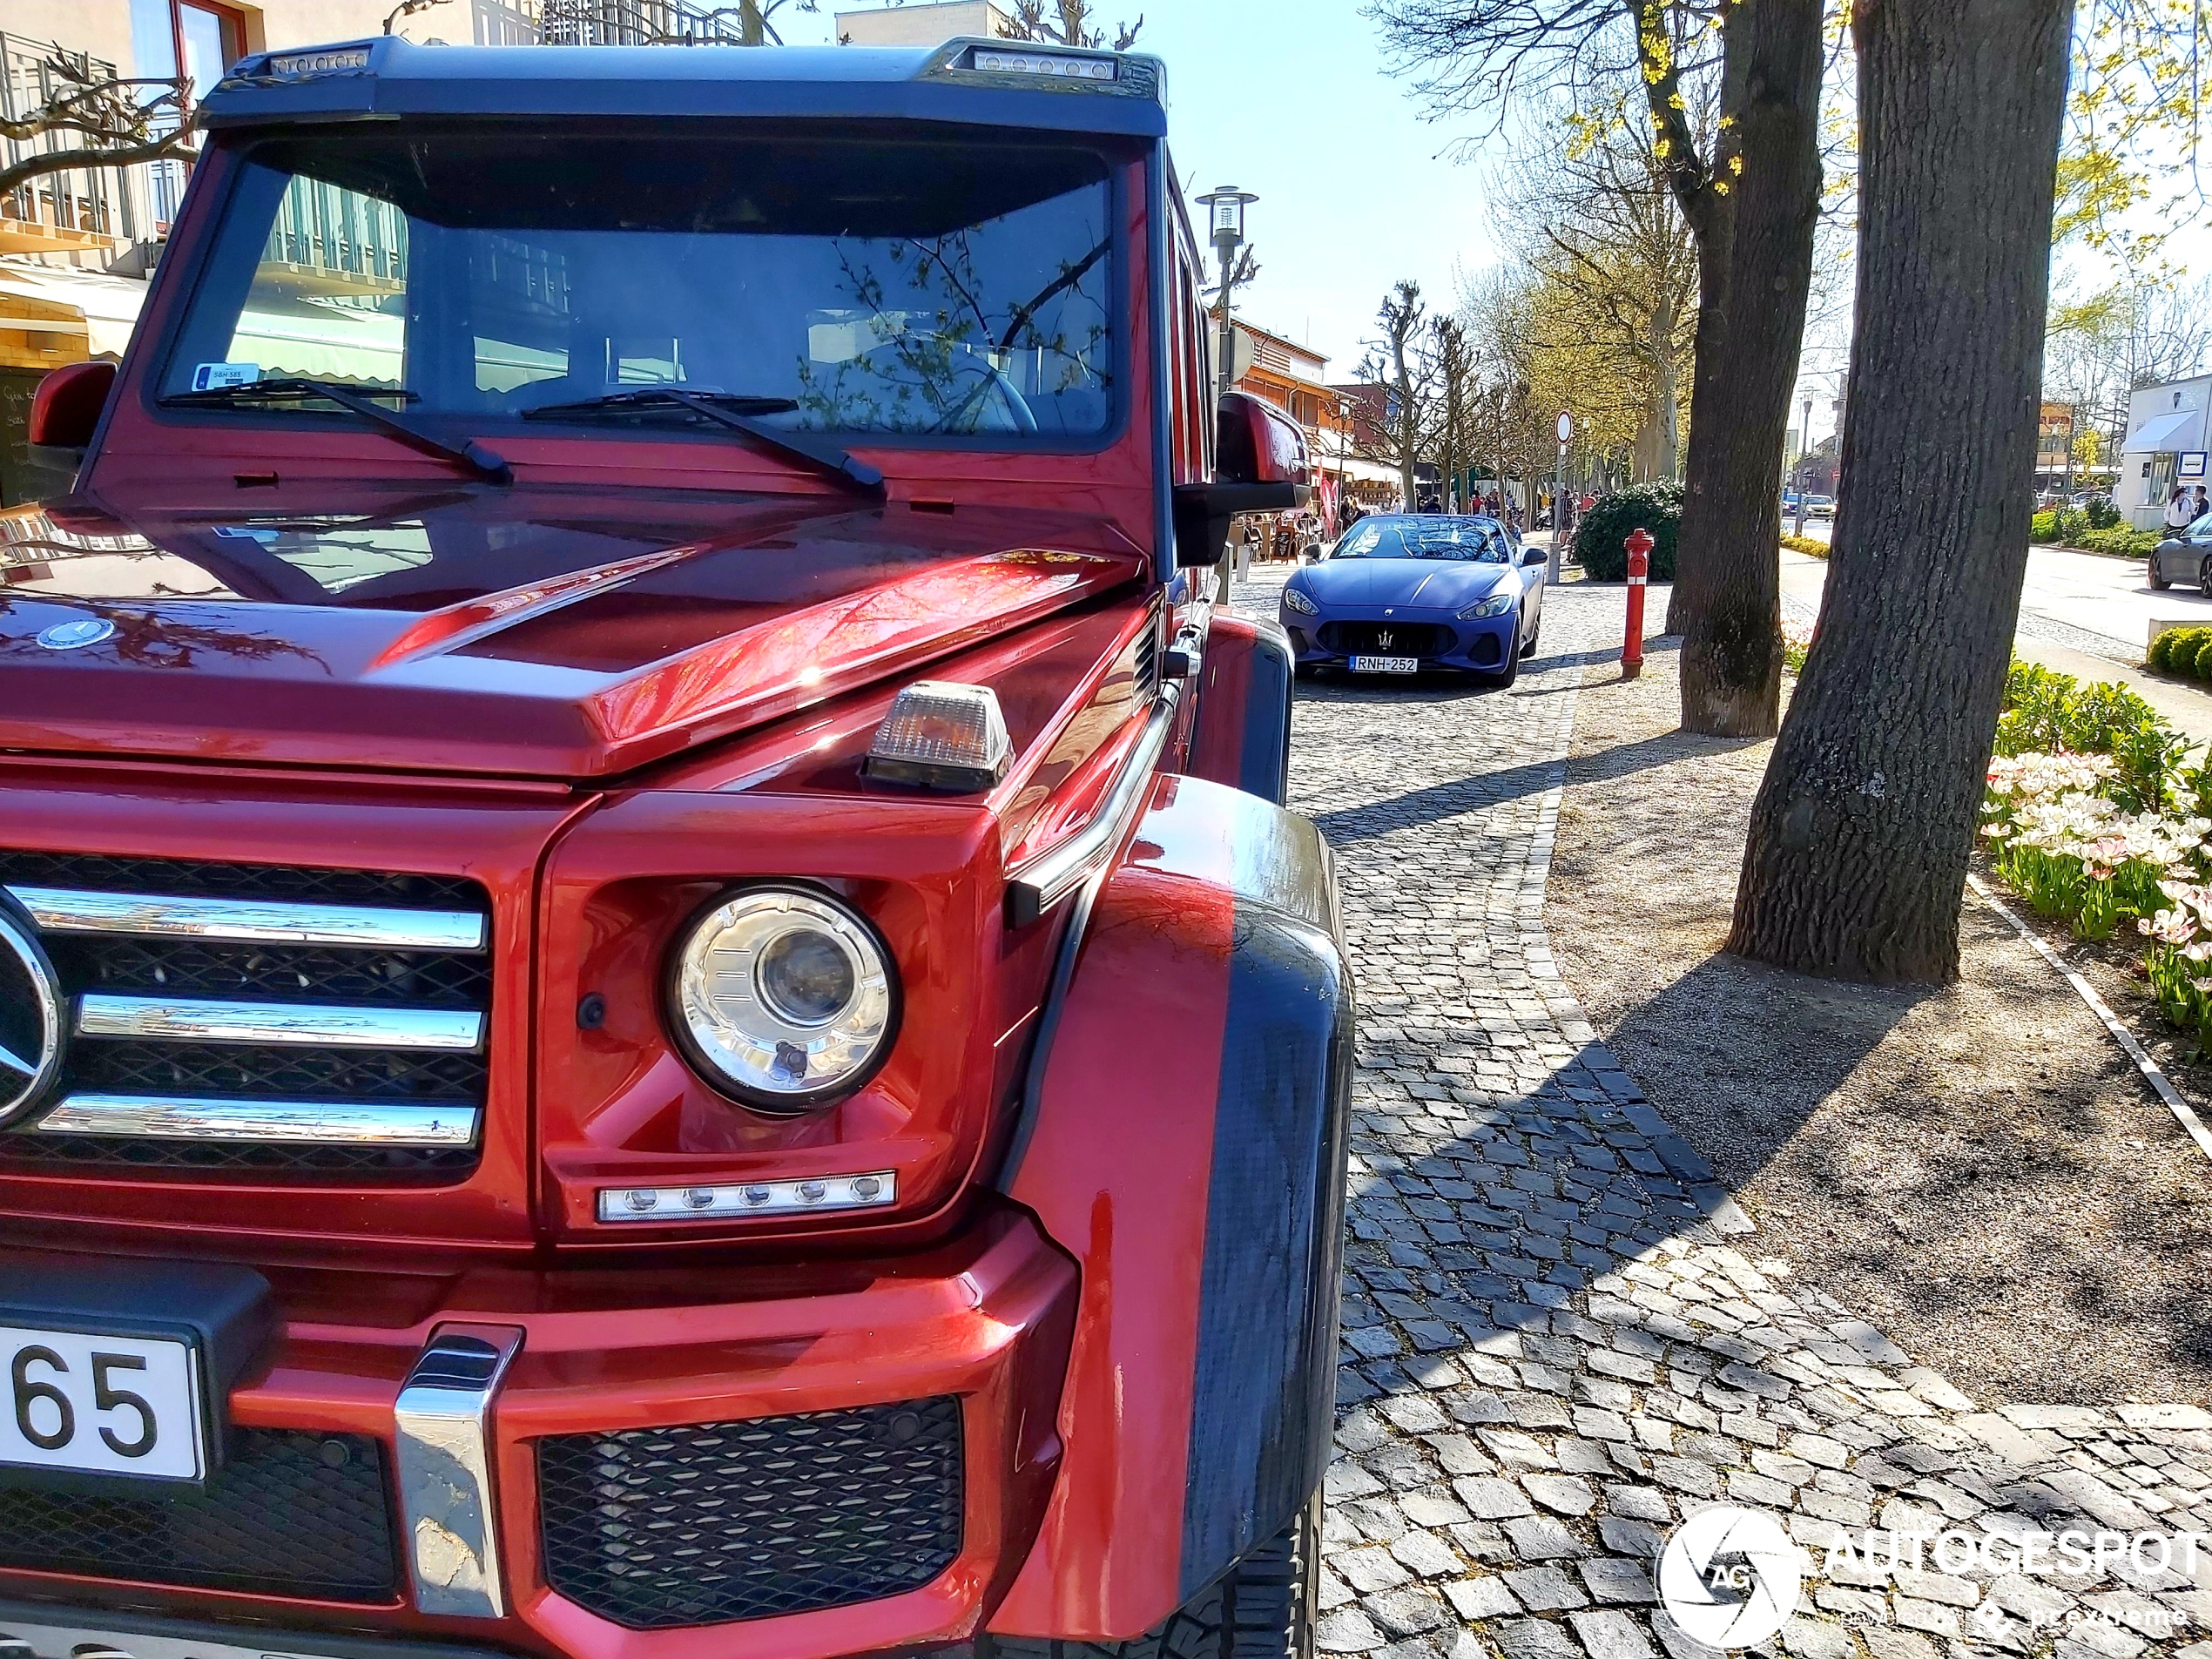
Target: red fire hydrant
{"points": [[1639, 568]]}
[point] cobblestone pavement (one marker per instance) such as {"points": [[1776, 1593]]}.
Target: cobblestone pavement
{"points": [[1559, 1337]]}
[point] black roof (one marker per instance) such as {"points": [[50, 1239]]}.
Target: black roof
{"points": [[390, 77]]}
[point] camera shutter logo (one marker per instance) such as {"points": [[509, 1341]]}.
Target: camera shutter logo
{"points": [[1731, 1577], [31, 1004]]}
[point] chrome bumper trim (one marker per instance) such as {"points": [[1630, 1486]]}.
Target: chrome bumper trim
{"points": [[163, 1117], [204, 1020], [250, 920], [1051, 876], [443, 1419]]}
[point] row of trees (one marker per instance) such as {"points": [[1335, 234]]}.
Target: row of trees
{"points": [[1947, 166]]}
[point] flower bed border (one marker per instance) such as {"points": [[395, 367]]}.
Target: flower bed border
{"points": [[2161, 1085]]}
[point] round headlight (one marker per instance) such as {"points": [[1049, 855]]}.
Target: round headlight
{"points": [[784, 999]]}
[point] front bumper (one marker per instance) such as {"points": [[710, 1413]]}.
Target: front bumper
{"points": [[1437, 639], [973, 1332]]}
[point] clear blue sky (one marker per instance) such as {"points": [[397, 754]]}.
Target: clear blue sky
{"points": [[1290, 98]]}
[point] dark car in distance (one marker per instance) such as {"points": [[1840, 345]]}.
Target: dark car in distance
{"points": [[1407, 592], [2184, 555]]}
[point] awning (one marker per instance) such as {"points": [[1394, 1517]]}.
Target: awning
{"points": [[2153, 435]]}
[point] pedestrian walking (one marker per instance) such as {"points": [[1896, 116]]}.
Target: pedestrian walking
{"points": [[2182, 510]]}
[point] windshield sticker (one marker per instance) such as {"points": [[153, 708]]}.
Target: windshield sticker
{"points": [[213, 377]]}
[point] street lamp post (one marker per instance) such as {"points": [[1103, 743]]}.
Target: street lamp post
{"points": [[1558, 481], [1804, 442], [1225, 205]]}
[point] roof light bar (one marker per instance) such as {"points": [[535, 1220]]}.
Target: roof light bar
{"points": [[753, 1198], [1062, 66], [941, 735], [295, 66]]}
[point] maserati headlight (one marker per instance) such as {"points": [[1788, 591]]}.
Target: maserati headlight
{"points": [[1297, 602], [1496, 605], [783, 998]]}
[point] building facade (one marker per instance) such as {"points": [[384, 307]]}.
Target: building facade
{"points": [[2167, 444], [923, 26]]}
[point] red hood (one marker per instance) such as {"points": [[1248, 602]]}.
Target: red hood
{"points": [[529, 632]]}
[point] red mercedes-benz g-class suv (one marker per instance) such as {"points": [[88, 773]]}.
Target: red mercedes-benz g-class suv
{"points": [[654, 997]]}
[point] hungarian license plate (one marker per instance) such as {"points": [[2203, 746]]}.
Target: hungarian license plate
{"points": [[1384, 664], [93, 1403]]}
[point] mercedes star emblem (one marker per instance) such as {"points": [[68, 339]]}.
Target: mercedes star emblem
{"points": [[32, 1030], [68, 636]]}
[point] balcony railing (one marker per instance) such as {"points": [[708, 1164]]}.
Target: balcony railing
{"points": [[636, 22], [78, 209]]}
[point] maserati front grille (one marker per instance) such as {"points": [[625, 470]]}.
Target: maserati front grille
{"points": [[260, 1018]]}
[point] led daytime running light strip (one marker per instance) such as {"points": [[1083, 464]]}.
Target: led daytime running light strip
{"points": [[751, 1198]]}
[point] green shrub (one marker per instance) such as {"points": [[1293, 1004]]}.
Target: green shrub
{"points": [[2044, 527], [2102, 515], [2175, 650], [2133, 544], [2064, 524], [1600, 544]]}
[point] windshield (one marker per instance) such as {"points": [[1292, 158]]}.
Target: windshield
{"points": [[920, 288], [1475, 540]]}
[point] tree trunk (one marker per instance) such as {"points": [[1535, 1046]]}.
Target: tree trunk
{"points": [[1727, 581], [1860, 834], [1666, 390]]}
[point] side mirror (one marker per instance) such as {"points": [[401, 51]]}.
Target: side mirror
{"points": [[66, 411], [1260, 466], [1534, 556]]}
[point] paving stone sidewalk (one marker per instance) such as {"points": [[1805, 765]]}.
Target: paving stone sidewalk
{"points": [[1560, 1337]]}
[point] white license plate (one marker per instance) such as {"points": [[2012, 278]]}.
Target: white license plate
{"points": [[100, 1405], [1385, 664]]}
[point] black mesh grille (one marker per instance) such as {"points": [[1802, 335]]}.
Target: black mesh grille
{"points": [[429, 1163], [184, 877], [271, 973], [289, 1514], [128, 1065], [1405, 638], [709, 1523]]}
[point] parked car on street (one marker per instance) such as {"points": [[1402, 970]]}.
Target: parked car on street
{"points": [[2184, 555], [1404, 593], [655, 993], [1820, 506]]}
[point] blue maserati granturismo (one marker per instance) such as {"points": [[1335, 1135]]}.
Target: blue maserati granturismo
{"points": [[1405, 592]]}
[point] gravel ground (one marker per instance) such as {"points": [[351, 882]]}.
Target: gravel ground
{"points": [[1977, 1169]]}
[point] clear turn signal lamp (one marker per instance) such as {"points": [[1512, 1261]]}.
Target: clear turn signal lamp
{"points": [[941, 735]]}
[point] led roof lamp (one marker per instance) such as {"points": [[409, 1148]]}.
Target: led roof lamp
{"points": [[941, 735], [1066, 66]]}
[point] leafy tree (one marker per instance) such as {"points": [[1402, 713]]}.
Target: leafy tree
{"points": [[1758, 66], [1616, 297], [1860, 836], [98, 119]]}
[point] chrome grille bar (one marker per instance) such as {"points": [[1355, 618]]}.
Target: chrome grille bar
{"points": [[62, 910], [198, 1020], [163, 1117]]}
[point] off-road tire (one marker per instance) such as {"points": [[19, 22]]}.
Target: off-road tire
{"points": [[1263, 1607]]}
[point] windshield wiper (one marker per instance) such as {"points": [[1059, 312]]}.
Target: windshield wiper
{"points": [[733, 410], [483, 463]]}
